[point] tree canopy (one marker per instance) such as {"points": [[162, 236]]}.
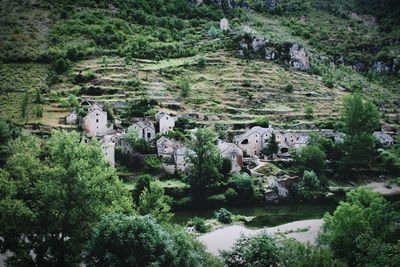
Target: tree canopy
{"points": [[310, 158], [52, 195], [364, 230], [360, 119], [123, 240], [204, 164]]}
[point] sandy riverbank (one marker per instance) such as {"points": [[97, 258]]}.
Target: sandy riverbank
{"points": [[224, 238]]}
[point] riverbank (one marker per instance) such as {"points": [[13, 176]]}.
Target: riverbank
{"points": [[224, 238], [383, 188]]}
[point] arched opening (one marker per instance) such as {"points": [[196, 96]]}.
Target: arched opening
{"points": [[284, 150], [245, 142]]}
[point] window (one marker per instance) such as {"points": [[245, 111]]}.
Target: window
{"points": [[97, 120], [245, 142], [256, 141], [97, 114], [148, 135]]}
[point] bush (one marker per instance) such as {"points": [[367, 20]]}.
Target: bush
{"points": [[310, 157], [231, 194], [262, 122], [309, 186], [328, 82], [185, 87], [243, 185], [152, 164], [289, 88], [223, 215], [258, 251], [309, 111], [201, 62], [61, 65], [199, 225]]}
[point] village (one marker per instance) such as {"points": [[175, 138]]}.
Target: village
{"points": [[244, 150]]}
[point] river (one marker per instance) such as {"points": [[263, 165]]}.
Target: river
{"points": [[266, 215]]}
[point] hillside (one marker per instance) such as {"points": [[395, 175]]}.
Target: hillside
{"points": [[121, 51]]}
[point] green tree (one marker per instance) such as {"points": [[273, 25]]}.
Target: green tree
{"points": [[153, 201], [296, 254], [226, 167], [310, 157], [363, 230], [53, 195], [8, 131], [360, 119], [61, 65], [309, 186], [139, 145], [259, 251], [24, 105], [272, 146], [309, 111], [243, 185], [122, 240], [204, 164], [152, 164], [142, 182], [262, 122], [185, 88], [223, 215]]}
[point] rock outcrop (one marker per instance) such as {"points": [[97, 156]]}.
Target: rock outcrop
{"points": [[290, 54], [298, 57]]}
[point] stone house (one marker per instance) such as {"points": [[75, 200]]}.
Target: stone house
{"points": [[253, 140], [145, 129], [95, 122], [165, 122], [166, 147], [71, 118], [233, 153], [108, 148], [180, 155], [384, 138]]}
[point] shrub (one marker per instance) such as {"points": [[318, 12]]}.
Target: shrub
{"points": [[328, 82], [152, 164], [201, 62], [199, 224], [223, 215], [260, 250], [185, 87], [262, 122], [289, 88], [231, 194], [243, 185], [61, 65], [309, 186], [309, 111]]}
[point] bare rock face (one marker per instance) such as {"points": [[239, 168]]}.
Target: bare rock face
{"points": [[299, 58], [290, 54]]}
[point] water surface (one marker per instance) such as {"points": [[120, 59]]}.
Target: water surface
{"points": [[265, 215]]}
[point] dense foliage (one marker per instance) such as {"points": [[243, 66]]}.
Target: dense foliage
{"points": [[123, 240], [55, 194], [204, 164], [366, 223]]}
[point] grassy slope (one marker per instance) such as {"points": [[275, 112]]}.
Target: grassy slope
{"points": [[228, 90]]}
